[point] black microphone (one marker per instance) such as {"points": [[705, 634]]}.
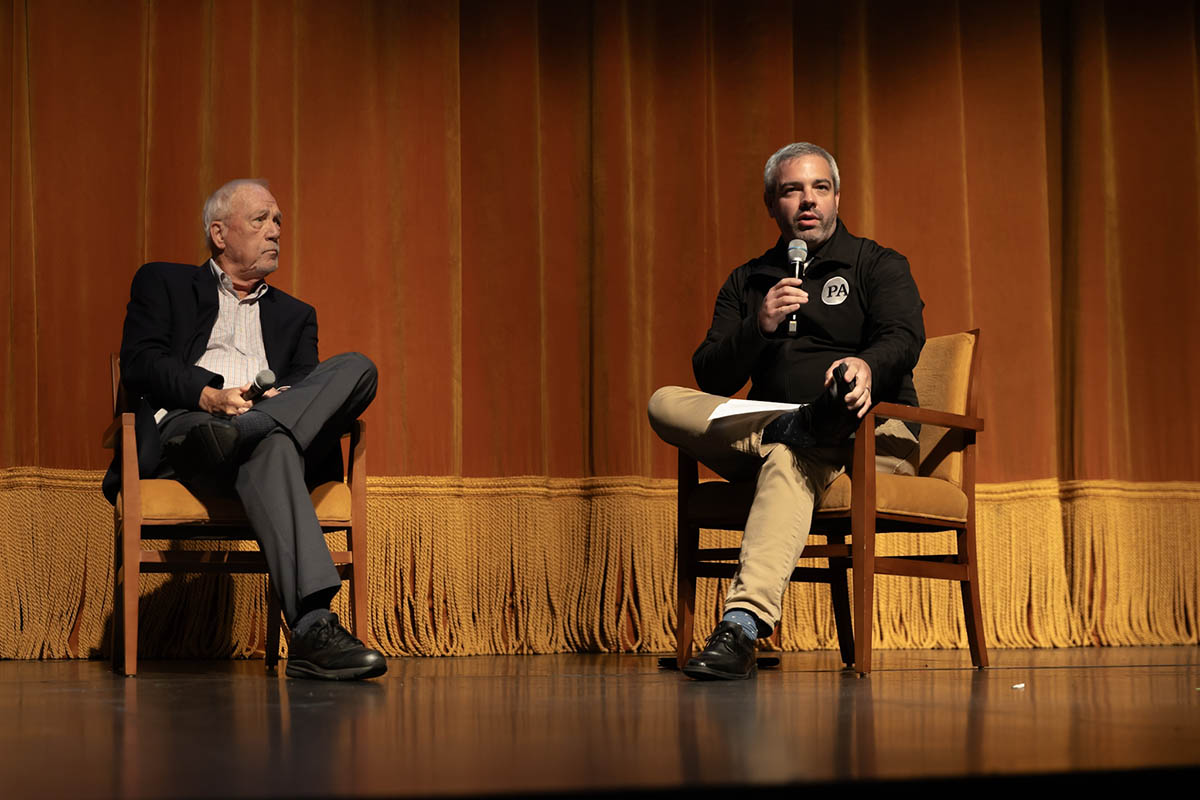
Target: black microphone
{"points": [[262, 382], [797, 254]]}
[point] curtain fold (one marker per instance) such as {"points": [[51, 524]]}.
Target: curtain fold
{"points": [[523, 211]]}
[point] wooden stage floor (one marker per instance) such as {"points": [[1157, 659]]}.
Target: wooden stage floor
{"points": [[600, 724]]}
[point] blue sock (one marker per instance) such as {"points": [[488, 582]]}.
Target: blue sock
{"points": [[748, 621]]}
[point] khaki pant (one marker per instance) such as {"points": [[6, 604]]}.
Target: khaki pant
{"points": [[788, 484]]}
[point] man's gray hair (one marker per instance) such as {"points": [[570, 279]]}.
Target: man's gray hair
{"points": [[219, 203], [785, 154]]}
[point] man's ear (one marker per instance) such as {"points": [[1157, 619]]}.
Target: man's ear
{"points": [[216, 232]]}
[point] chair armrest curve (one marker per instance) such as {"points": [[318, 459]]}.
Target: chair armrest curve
{"points": [[927, 416], [113, 431]]}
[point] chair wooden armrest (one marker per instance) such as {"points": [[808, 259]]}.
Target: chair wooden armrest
{"points": [[109, 439], [357, 433], [927, 416]]}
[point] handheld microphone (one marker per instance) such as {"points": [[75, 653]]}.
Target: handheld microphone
{"points": [[262, 382], [797, 254]]}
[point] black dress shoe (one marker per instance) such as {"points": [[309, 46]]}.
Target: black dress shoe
{"points": [[795, 429], [327, 651], [825, 422], [728, 655], [203, 450], [832, 420]]}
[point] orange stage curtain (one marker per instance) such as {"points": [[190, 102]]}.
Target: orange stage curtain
{"points": [[523, 210]]}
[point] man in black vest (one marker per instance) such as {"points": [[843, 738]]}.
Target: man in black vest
{"points": [[193, 342], [854, 305]]}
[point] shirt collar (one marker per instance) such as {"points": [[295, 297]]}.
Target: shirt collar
{"points": [[839, 248], [225, 284]]}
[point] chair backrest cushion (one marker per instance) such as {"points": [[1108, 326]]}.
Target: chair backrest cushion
{"points": [[943, 381]]}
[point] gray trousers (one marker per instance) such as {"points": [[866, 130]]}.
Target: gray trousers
{"points": [[271, 481]]}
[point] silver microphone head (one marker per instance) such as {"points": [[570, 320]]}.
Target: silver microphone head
{"points": [[797, 250]]}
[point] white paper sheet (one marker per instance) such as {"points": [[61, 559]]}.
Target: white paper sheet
{"points": [[736, 408]]}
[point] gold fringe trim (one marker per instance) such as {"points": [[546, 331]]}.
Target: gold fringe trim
{"points": [[464, 566], [1135, 556]]}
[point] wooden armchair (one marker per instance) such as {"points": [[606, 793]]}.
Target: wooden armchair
{"points": [[940, 497], [166, 509]]}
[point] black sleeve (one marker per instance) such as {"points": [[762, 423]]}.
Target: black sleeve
{"points": [[895, 327], [304, 357], [148, 367], [723, 362]]}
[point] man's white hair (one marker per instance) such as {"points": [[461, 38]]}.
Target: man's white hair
{"points": [[219, 203], [787, 153]]}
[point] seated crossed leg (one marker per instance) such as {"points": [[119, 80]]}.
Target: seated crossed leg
{"points": [[789, 477], [264, 454]]}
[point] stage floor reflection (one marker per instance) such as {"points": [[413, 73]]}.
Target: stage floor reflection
{"points": [[594, 724]]}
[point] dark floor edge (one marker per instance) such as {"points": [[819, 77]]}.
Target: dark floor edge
{"points": [[1108, 779], [1135, 779]]}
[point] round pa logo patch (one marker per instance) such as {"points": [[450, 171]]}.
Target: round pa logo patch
{"points": [[835, 291]]}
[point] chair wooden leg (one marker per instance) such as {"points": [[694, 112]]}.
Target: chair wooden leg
{"points": [[356, 536], [273, 624], [839, 592], [685, 617], [116, 631], [864, 599], [862, 546], [131, 567], [972, 607], [358, 597]]}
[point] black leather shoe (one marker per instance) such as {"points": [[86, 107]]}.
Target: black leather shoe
{"points": [[832, 422], [203, 450], [795, 429], [822, 423], [728, 655], [327, 651]]}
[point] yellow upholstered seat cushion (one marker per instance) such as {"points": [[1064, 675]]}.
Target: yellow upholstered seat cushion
{"points": [[167, 502], [903, 494], [724, 505]]}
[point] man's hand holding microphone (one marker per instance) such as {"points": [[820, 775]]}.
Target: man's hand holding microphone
{"points": [[240, 399]]}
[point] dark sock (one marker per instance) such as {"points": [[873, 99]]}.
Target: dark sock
{"points": [[313, 607], [307, 620], [253, 427]]}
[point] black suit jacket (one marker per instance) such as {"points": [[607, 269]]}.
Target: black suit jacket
{"points": [[171, 312]]}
